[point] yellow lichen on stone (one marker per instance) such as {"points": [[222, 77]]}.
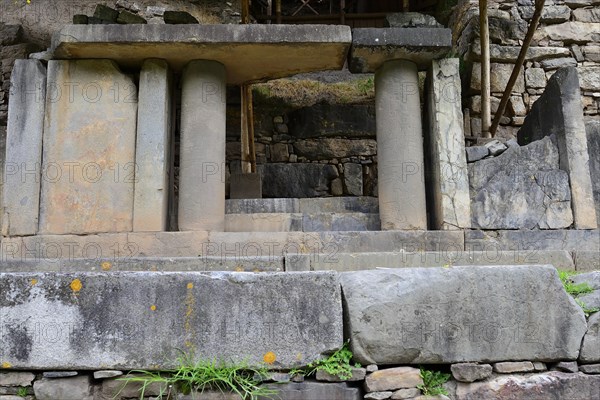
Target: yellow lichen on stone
{"points": [[106, 266], [190, 285], [153, 307], [6, 365], [33, 281], [76, 285], [189, 312], [269, 357]]}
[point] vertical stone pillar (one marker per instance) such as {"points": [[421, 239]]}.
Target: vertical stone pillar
{"points": [[449, 185], [151, 199], [401, 180], [22, 168], [202, 153]]}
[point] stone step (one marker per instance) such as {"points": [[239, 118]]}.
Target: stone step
{"points": [[58, 248], [342, 262], [363, 204], [297, 222]]}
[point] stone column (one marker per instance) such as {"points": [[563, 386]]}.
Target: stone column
{"points": [[202, 152], [401, 181], [151, 197]]}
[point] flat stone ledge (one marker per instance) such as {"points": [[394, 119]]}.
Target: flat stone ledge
{"points": [[249, 52], [143, 320], [371, 47], [148, 264], [344, 262]]}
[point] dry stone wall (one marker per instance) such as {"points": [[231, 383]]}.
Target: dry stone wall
{"points": [[567, 36]]}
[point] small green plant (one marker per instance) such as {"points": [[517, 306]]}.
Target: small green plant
{"points": [[432, 382], [337, 364], [198, 376], [22, 392], [587, 311], [572, 288]]}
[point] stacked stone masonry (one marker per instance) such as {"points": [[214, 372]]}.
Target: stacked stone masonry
{"points": [[567, 36]]}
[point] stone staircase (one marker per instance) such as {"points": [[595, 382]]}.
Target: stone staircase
{"points": [[302, 215]]}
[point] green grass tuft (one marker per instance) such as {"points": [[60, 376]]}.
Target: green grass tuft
{"points": [[432, 382]]}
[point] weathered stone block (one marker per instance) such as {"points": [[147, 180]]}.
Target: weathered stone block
{"points": [[500, 74], [89, 148], [559, 385], [16, 378], [587, 14], [446, 142], [592, 128], [590, 348], [268, 222], [508, 367], [521, 189], [470, 372], [152, 150], [535, 78], [179, 17], [142, 320], [589, 77], [570, 32], [10, 34], [393, 379], [367, 205], [458, 314], [22, 166], [558, 112], [353, 177], [76, 388]]}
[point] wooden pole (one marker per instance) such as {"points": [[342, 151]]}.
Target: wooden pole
{"points": [[245, 11], [343, 12], [245, 142], [250, 128], [278, 11], [537, 14], [269, 9], [484, 35]]}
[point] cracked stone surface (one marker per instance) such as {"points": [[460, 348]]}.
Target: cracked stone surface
{"points": [[523, 188]]}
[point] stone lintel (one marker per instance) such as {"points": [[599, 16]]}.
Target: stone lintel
{"points": [[249, 52], [371, 47]]}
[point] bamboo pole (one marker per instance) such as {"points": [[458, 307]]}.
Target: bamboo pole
{"points": [[537, 14], [484, 35]]}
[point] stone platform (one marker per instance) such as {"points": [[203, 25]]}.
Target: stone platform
{"points": [[248, 52]]}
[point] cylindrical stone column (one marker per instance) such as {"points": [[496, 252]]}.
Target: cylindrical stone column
{"points": [[202, 152], [401, 179]]}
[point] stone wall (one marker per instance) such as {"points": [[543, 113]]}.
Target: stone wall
{"points": [[495, 330], [567, 36], [313, 151]]}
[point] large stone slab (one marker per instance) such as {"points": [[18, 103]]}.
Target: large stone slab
{"points": [[446, 144], [267, 51], [343, 262], [371, 47], [250, 206], [143, 320], [22, 172], [558, 112], [458, 314], [152, 157], [523, 188], [89, 148], [550, 385]]}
